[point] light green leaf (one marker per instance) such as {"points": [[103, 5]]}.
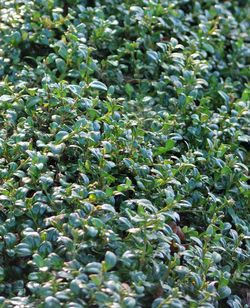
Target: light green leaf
{"points": [[168, 147]]}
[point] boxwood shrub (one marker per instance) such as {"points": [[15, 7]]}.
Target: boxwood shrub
{"points": [[124, 153]]}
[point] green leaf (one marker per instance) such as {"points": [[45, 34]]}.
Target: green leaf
{"points": [[51, 302], [98, 85], [63, 52], [56, 149], [224, 292], [23, 250], [153, 55], [6, 98], [61, 65], [33, 101], [110, 260], [93, 267], [96, 279], [75, 89], [208, 47], [107, 207], [129, 302], [168, 147], [224, 96], [61, 135], [101, 297]]}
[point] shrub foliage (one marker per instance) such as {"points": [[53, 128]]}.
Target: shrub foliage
{"points": [[124, 138]]}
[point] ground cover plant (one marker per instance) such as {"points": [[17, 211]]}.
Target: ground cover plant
{"points": [[124, 153]]}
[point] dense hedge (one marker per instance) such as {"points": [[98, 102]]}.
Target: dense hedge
{"points": [[124, 138]]}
